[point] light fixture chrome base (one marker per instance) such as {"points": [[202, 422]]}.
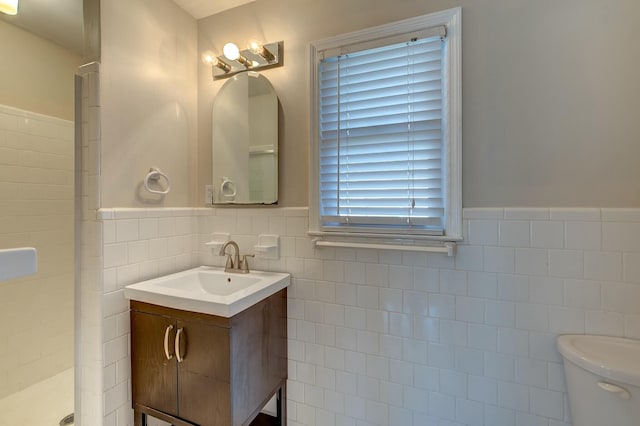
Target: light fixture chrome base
{"points": [[272, 57]]}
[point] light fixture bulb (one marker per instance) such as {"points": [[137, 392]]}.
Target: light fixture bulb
{"points": [[257, 48], [231, 51], [208, 58], [10, 7], [254, 46]]}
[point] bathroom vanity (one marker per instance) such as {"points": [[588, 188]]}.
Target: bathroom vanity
{"points": [[191, 368]]}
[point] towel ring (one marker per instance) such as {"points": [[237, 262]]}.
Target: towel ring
{"points": [[154, 175]]}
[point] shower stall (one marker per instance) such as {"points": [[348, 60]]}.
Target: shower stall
{"points": [[37, 210]]}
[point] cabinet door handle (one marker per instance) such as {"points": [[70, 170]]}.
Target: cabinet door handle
{"points": [[179, 357], [166, 342]]}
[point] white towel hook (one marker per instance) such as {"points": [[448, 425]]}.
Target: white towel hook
{"points": [[154, 175]]}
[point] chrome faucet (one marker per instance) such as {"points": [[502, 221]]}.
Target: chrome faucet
{"points": [[235, 264]]}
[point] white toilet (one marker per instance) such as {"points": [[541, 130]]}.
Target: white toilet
{"points": [[603, 379]]}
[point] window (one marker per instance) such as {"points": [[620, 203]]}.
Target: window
{"points": [[385, 158]]}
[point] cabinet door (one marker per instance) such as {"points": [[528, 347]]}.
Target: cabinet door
{"points": [[203, 374], [154, 377]]}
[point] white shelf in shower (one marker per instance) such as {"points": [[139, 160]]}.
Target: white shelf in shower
{"points": [[18, 262]]}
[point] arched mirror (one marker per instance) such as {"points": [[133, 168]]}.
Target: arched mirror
{"points": [[245, 141]]}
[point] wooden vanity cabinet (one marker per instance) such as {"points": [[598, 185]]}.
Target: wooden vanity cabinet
{"points": [[230, 367]]}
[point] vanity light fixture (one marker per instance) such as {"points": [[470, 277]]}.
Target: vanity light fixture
{"points": [[209, 58], [221, 64], [256, 57], [232, 53], [258, 48], [10, 7]]}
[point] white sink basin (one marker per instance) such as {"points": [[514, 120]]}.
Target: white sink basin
{"points": [[208, 290], [18, 262]]}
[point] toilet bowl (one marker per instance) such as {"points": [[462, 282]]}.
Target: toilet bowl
{"points": [[603, 379]]}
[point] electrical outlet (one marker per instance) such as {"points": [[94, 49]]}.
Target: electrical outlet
{"points": [[208, 194]]}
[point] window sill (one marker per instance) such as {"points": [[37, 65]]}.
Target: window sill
{"points": [[431, 245]]}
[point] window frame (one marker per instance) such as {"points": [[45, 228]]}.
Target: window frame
{"points": [[452, 125]]}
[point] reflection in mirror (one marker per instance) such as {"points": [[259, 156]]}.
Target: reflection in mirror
{"points": [[245, 141]]}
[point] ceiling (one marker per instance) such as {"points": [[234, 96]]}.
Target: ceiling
{"points": [[57, 20], [61, 20], [202, 8]]}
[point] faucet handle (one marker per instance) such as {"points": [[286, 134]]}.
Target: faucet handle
{"points": [[244, 263]]}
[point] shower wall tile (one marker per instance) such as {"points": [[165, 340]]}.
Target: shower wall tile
{"points": [[36, 199], [632, 326]]}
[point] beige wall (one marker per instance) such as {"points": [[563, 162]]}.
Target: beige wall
{"points": [[36, 75], [550, 92], [148, 99]]}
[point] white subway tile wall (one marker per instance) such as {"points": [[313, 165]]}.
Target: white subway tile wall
{"points": [[36, 199], [139, 244], [90, 379], [401, 338]]}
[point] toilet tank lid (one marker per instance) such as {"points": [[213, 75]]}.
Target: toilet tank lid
{"points": [[615, 358]]}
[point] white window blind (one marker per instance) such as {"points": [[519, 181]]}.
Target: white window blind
{"points": [[381, 137]]}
